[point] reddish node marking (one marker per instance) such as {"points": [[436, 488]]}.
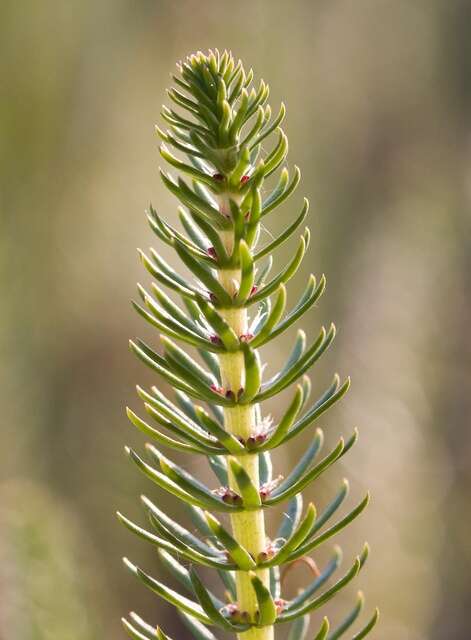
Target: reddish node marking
{"points": [[280, 605], [267, 488], [228, 496], [268, 553]]}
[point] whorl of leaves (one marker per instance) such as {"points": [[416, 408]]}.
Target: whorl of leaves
{"points": [[216, 138]]}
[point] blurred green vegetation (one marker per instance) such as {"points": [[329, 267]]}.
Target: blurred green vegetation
{"points": [[378, 96]]}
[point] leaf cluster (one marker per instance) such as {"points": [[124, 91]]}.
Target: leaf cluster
{"points": [[222, 184]]}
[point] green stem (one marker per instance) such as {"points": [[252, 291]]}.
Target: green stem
{"points": [[248, 527]]}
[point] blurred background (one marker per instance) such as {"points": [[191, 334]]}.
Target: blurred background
{"points": [[378, 94]]}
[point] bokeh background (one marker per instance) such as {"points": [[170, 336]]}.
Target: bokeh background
{"points": [[379, 100]]}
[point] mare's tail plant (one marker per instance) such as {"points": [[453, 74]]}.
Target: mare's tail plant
{"points": [[216, 138]]}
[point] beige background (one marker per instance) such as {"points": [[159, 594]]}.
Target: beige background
{"points": [[378, 95]]}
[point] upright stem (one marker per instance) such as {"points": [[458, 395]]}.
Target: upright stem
{"points": [[248, 527]]}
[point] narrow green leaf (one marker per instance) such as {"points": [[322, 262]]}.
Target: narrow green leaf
{"points": [[349, 620], [238, 120], [239, 554], [255, 129], [207, 603], [183, 535], [229, 582], [263, 272], [171, 283], [208, 228], [317, 409], [193, 231], [169, 314], [143, 626], [176, 599], [166, 269], [259, 99], [276, 157], [253, 374], [197, 518], [172, 487], [317, 583], [322, 599], [161, 635], [181, 550], [180, 377], [173, 310], [134, 633], [177, 120], [212, 362], [272, 319], [166, 440], [178, 333], [313, 354], [283, 180], [294, 356], [184, 362], [315, 542], [249, 492], [177, 422], [159, 542], [218, 465], [238, 78], [310, 476], [275, 582], [222, 329], [365, 631], [247, 274], [204, 276], [296, 538], [331, 508], [286, 233], [227, 440], [266, 614], [194, 202], [177, 570], [186, 405], [224, 124], [291, 517], [265, 467], [308, 299], [169, 234], [199, 631], [184, 480], [282, 428], [273, 126], [169, 138], [304, 463], [323, 631], [283, 277], [253, 225], [155, 363]]}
